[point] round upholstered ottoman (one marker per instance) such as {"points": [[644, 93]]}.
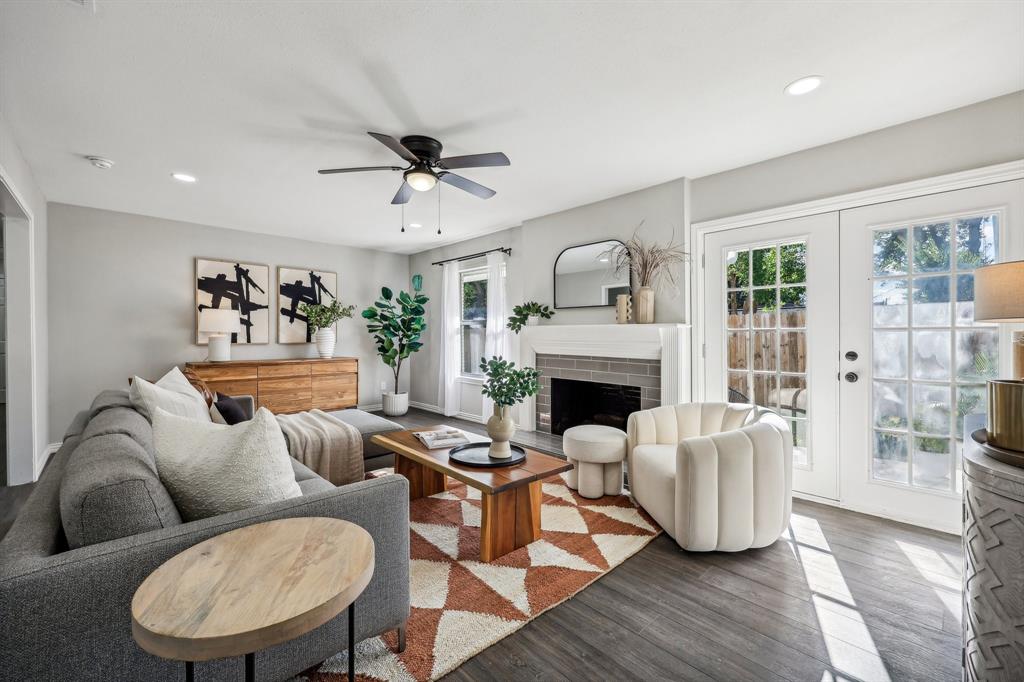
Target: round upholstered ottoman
{"points": [[596, 453]]}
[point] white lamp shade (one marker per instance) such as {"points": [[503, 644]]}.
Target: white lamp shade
{"points": [[999, 292], [219, 321]]}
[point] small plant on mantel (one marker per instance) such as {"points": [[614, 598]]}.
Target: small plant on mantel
{"points": [[506, 386], [396, 323], [528, 314], [320, 320]]}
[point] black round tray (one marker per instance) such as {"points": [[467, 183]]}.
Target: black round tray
{"points": [[475, 455]]}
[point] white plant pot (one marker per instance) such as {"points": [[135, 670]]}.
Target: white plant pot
{"points": [[325, 341], [395, 404], [533, 320]]}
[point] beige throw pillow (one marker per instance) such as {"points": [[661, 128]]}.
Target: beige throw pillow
{"points": [[172, 393], [212, 469]]}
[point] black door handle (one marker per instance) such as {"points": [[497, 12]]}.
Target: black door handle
{"points": [[851, 377]]}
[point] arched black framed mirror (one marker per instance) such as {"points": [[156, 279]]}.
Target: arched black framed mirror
{"points": [[585, 276]]}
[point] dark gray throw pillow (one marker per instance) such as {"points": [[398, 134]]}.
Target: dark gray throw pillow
{"points": [[229, 409]]}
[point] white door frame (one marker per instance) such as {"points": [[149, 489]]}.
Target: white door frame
{"points": [[986, 175], [24, 452]]}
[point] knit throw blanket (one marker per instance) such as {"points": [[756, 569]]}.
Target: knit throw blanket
{"points": [[325, 444]]}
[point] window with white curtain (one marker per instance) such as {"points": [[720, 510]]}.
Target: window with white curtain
{"points": [[474, 319]]}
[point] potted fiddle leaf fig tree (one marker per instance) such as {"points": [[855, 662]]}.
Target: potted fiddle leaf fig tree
{"points": [[506, 386], [528, 313], [396, 324], [321, 320]]}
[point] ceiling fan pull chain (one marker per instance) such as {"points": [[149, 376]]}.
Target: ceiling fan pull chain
{"points": [[403, 217], [439, 208]]}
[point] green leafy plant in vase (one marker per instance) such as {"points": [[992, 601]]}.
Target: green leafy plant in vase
{"points": [[321, 320], [506, 386], [396, 324], [528, 313]]}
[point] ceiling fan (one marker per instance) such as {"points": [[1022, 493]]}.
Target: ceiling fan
{"points": [[426, 166]]}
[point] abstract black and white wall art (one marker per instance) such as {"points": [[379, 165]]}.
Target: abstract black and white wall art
{"points": [[244, 287], [295, 286]]}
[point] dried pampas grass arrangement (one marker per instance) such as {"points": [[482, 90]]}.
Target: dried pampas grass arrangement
{"points": [[649, 264]]}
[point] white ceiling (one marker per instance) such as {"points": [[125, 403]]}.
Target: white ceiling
{"points": [[589, 100]]}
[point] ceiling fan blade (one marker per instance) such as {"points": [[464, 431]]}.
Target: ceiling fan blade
{"points": [[467, 185], [329, 171], [395, 146], [475, 161], [403, 194]]}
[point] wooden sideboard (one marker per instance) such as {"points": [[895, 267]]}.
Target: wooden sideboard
{"points": [[286, 385]]}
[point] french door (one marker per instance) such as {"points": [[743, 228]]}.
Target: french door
{"points": [[858, 328], [914, 360], [772, 333]]}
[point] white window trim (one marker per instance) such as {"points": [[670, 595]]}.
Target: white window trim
{"points": [[475, 274]]}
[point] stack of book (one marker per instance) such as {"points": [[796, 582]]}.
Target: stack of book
{"points": [[444, 438]]}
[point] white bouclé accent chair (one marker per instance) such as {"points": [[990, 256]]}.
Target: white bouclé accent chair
{"points": [[715, 476]]}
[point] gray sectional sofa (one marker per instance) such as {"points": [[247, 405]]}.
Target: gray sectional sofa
{"points": [[99, 521]]}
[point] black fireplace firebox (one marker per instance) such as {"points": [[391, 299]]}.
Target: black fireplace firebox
{"points": [[589, 402]]}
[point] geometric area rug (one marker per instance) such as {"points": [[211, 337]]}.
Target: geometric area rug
{"points": [[461, 606]]}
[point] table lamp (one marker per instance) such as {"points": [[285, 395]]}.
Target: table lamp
{"points": [[999, 297], [220, 324]]}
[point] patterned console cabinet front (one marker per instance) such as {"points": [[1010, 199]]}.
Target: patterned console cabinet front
{"points": [[993, 568], [284, 386]]}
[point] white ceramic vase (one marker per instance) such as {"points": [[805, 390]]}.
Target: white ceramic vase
{"points": [[325, 341], [395, 404], [500, 428], [533, 320], [643, 306]]}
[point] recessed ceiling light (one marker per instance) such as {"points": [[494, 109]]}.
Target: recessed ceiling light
{"points": [[100, 162], [415, 225], [183, 177], [802, 86]]}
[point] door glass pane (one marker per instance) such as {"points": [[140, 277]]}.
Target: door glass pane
{"points": [[890, 457], [931, 301], [766, 365], [949, 355], [890, 403], [890, 252], [931, 247], [890, 303]]}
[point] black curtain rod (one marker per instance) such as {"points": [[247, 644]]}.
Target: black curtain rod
{"points": [[507, 251]]}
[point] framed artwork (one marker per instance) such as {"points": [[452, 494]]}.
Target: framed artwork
{"points": [[244, 287], [301, 285]]}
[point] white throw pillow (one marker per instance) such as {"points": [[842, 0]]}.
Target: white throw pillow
{"points": [[212, 469], [172, 393]]}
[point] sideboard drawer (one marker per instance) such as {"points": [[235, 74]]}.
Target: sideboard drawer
{"points": [[286, 370], [232, 372], [234, 388], [335, 392], [288, 394], [346, 366]]}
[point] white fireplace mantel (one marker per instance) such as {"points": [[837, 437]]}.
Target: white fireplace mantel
{"points": [[669, 343]]}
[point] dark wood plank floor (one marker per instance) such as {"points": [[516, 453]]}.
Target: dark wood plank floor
{"points": [[842, 596]]}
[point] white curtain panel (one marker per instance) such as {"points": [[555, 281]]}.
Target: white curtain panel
{"points": [[498, 340], [451, 344]]}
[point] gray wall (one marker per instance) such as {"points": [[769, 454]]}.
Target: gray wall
{"points": [[122, 299], [978, 135], [25, 246]]}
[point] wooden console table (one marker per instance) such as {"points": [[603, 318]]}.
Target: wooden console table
{"points": [[284, 386]]}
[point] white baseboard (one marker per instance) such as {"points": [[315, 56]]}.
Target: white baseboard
{"points": [[471, 417], [42, 458], [426, 406], [370, 407]]}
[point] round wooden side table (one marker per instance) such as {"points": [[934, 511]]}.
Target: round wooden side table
{"points": [[253, 588]]}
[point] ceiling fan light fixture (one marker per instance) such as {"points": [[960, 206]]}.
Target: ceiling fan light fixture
{"points": [[421, 180]]}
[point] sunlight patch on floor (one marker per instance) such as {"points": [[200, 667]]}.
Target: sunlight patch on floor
{"points": [[934, 568]]}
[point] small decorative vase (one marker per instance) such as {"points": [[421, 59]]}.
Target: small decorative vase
{"points": [[395, 404], [500, 428], [533, 320], [643, 305], [325, 340], [623, 308]]}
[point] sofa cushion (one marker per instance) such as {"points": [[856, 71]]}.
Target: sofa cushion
{"points": [[368, 425], [110, 488], [213, 469], [172, 393], [652, 482], [227, 410]]}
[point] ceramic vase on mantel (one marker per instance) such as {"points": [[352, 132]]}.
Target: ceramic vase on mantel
{"points": [[623, 308], [643, 306], [500, 428], [325, 340]]}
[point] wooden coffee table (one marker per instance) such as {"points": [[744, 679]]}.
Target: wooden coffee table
{"points": [[510, 496], [253, 588]]}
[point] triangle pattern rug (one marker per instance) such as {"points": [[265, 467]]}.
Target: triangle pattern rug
{"points": [[461, 606]]}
